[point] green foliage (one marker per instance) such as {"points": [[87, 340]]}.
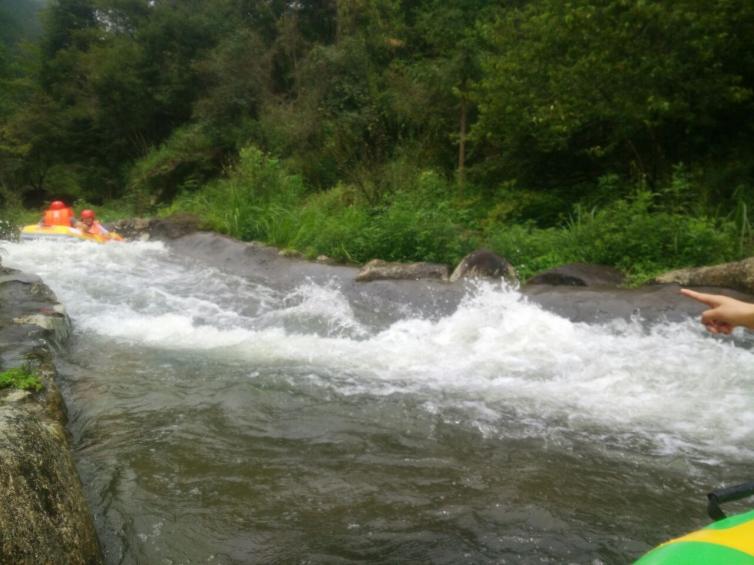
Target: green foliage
{"points": [[633, 235], [21, 378], [253, 201], [182, 163], [422, 224], [607, 131], [573, 86], [19, 21]]}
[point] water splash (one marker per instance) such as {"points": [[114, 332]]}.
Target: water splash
{"points": [[506, 365]]}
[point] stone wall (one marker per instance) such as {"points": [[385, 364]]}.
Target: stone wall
{"points": [[44, 517]]}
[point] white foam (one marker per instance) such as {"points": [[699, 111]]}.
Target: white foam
{"points": [[495, 356]]}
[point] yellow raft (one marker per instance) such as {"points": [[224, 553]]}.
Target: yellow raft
{"points": [[36, 232], [727, 541]]}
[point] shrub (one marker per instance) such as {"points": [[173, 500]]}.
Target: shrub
{"points": [[181, 164], [255, 200]]}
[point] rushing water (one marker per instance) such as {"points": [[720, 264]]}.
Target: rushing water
{"points": [[217, 420]]}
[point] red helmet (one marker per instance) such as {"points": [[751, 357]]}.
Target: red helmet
{"points": [[57, 205], [87, 214]]}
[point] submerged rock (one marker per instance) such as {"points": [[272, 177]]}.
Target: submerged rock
{"points": [[579, 274], [484, 263], [377, 269], [738, 275]]}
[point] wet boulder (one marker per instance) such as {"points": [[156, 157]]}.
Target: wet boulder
{"points": [[377, 269], [172, 227], [484, 263], [132, 228], [579, 274], [738, 275]]}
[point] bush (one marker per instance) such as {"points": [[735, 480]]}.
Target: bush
{"points": [[528, 248], [183, 163], [255, 200], [631, 236], [628, 234], [422, 218]]}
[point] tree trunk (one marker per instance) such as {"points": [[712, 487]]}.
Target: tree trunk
{"points": [[462, 144]]}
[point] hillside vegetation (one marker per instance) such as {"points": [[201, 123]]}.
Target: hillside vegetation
{"points": [[609, 131]]}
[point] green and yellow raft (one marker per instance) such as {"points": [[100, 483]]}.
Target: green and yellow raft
{"points": [[64, 233], [727, 542]]}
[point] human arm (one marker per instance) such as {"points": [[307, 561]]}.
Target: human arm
{"points": [[725, 313]]}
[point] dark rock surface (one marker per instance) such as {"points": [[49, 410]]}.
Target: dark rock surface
{"points": [[43, 514], [168, 228], [579, 274], [483, 263]]}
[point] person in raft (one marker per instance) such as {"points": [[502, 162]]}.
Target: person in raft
{"points": [[90, 225], [725, 313], [58, 214]]}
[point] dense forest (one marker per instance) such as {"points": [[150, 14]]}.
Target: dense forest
{"points": [[609, 131]]}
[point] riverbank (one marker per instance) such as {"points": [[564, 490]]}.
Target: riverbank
{"points": [[650, 303], [44, 517]]}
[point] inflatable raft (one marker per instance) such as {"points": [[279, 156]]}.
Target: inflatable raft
{"points": [[728, 541], [64, 233]]}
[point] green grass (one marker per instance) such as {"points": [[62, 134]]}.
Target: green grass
{"points": [[21, 378], [422, 217]]}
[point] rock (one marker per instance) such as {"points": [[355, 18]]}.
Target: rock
{"points": [[144, 229], [43, 513], [579, 274], [377, 269], [291, 253], [174, 226], [325, 260], [132, 228], [484, 263], [738, 275]]}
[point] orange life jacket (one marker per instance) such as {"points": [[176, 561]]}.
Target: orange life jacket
{"points": [[58, 217]]}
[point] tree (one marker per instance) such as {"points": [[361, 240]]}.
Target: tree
{"points": [[572, 90]]}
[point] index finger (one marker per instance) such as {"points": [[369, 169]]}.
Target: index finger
{"points": [[708, 299]]}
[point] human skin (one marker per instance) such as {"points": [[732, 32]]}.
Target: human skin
{"points": [[725, 313]]}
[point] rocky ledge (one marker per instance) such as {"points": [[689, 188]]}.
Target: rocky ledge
{"points": [[44, 517]]}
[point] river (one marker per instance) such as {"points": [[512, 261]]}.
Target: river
{"points": [[221, 419]]}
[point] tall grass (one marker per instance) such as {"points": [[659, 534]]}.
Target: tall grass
{"points": [[424, 219]]}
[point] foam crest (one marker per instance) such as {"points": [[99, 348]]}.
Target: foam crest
{"points": [[314, 308], [496, 358]]}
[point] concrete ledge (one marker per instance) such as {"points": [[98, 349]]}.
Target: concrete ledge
{"points": [[44, 517]]}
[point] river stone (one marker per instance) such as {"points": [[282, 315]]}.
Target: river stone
{"points": [[484, 263], [579, 274], [291, 253], [738, 275], [132, 228], [377, 269], [143, 229]]}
